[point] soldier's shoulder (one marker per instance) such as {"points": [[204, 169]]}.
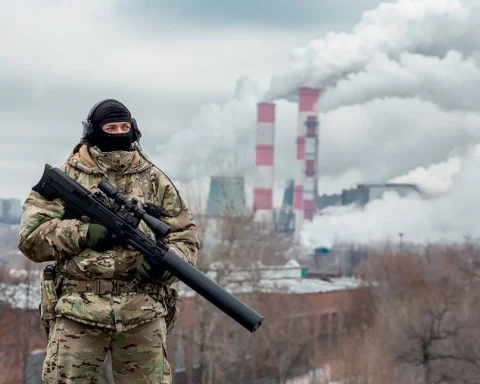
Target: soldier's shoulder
{"points": [[66, 165], [160, 177]]}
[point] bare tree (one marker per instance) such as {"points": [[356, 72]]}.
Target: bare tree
{"points": [[238, 260], [424, 325]]}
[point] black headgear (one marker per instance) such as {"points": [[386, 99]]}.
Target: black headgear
{"points": [[103, 112]]}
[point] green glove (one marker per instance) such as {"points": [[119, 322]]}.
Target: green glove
{"points": [[97, 236], [148, 274]]}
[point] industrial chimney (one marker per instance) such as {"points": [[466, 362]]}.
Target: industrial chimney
{"points": [[264, 170], [305, 190]]}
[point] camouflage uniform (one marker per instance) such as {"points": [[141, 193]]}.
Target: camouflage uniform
{"points": [[91, 285]]}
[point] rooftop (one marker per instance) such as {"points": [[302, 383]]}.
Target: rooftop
{"points": [[286, 279]]}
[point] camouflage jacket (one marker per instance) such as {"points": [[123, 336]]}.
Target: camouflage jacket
{"points": [[45, 236]]}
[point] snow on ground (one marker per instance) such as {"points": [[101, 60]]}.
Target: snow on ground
{"points": [[277, 279]]}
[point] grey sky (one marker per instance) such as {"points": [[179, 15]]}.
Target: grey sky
{"points": [[282, 14], [401, 84], [165, 60], [399, 94]]}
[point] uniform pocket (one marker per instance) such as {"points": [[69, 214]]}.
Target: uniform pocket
{"points": [[48, 302]]}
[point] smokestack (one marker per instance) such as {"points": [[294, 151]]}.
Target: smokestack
{"points": [[264, 170], [310, 192], [305, 190]]}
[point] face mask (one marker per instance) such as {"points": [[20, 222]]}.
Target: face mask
{"points": [[114, 161], [108, 142]]}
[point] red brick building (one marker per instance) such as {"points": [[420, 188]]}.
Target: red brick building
{"points": [[20, 334], [303, 318], [307, 324]]}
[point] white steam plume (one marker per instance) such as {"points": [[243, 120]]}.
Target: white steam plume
{"points": [[450, 217], [434, 180], [400, 104], [426, 27], [403, 88], [452, 81]]}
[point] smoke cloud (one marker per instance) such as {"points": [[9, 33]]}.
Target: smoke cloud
{"points": [[424, 27], [448, 218], [400, 92], [434, 180], [399, 104]]}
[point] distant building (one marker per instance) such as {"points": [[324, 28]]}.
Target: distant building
{"points": [[284, 217], [288, 193], [364, 193], [318, 305], [10, 211], [340, 260]]}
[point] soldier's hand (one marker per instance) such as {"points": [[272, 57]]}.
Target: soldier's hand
{"points": [[97, 237], [151, 270]]}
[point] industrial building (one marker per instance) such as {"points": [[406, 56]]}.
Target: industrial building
{"points": [[10, 211], [301, 200], [362, 194], [284, 294], [284, 217], [305, 182]]}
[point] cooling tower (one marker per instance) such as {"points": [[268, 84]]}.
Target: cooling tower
{"points": [[226, 197]]}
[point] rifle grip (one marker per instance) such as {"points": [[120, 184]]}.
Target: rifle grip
{"points": [[70, 214]]}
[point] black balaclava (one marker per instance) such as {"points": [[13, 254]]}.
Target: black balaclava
{"points": [[109, 112]]}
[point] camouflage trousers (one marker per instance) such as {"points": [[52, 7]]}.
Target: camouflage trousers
{"points": [[76, 352]]}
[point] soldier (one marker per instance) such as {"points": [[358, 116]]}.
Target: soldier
{"points": [[86, 305]]}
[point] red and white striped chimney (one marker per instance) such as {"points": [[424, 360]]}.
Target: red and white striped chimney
{"points": [[264, 170], [311, 176], [305, 189]]}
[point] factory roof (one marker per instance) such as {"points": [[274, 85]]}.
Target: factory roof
{"points": [[290, 278], [287, 279], [391, 185]]}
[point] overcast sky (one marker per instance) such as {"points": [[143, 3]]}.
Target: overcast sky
{"points": [[172, 63], [400, 80], [401, 83]]}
